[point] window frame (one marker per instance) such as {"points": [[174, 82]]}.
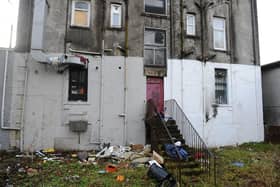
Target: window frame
{"points": [[73, 13], [220, 30], [112, 13], [194, 24], [165, 9], [79, 97], [226, 87], [155, 47]]}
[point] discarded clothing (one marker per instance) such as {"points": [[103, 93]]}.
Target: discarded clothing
{"points": [[170, 150]]}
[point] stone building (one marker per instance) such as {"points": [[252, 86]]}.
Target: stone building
{"points": [[84, 69]]}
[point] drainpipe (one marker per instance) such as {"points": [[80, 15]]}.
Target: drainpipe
{"points": [[255, 31], [66, 26], [23, 105], [125, 139], [231, 30], [171, 29], [182, 28]]}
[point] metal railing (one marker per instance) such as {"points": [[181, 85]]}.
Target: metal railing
{"points": [[192, 139]]}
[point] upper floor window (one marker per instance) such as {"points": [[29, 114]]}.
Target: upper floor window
{"points": [[80, 13], [155, 50], [155, 6], [190, 24], [221, 87], [78, 84], [219, 33], [116, 15]]}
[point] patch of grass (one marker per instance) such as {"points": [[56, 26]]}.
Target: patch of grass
{"points": [[261, 167]]}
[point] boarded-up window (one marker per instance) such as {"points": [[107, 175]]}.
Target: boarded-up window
{"points": [[80, 13], [221, 86], [155, 50], [78, 83], [219, 33], [155, 6], [116, 15]]}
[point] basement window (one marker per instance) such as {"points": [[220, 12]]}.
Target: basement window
{"points": [[219, 33], [116, 15], [154, 48], [155, 6], [190, 24], [221, 86], [78, 83], [80, 14]]}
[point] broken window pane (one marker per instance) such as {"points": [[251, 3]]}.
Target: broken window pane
{"points": [[221, 86], [155, 6]]}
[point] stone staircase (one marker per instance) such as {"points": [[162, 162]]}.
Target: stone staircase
{"points": [[167, 132]]}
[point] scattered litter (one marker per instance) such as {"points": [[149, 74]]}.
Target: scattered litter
{"points": [[82, 156], [74, 155], [238, 164], [40, 154], [157, 172], [72, 179], [142, 160], [120, 178], [151, 162], [31, 172], [171, 151], [102, 172], [137, 147], [21, 170], [178, 144], [158, 158], [48, 150], [110, 168]]}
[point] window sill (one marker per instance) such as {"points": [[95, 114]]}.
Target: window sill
{"points": [[79, 27], [154, 15], [120, 29], [76, 103], [192, 36], [221, 105], [220, 50]]}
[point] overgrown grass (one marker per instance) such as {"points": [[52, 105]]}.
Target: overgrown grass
{"points": [[261, 168]]}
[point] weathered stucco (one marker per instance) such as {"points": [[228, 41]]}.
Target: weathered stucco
{"points": [[117, 84], [192, 84]]}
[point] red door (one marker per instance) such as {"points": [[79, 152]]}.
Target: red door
{"points": [[155, 91]]}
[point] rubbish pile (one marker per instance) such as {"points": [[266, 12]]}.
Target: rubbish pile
{"points": [[110, 159]]}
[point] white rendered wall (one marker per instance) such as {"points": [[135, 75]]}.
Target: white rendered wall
{"points": [[192, 84], [48, 110]]}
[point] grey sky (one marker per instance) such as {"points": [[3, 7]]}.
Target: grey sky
{"points": [[269, 30]]}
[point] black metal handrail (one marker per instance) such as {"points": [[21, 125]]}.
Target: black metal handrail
{"points": [[200, 151]]}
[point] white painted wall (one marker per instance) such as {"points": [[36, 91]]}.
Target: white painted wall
{"points": [[192, 84], [48, 111]]}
